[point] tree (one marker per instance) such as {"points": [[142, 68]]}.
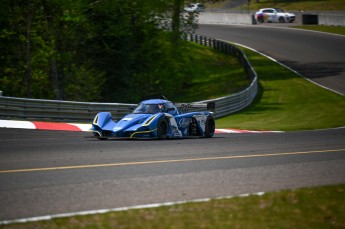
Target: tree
{"points": [[42, 47], [115, 51]]}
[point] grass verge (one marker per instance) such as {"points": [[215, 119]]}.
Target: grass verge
{"points": [[321, 207], [286, 102], [323, 28], [279, 106], [215, 74]]}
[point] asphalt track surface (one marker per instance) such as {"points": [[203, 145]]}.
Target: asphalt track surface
{"points": [[52, 172], [317, 56]]}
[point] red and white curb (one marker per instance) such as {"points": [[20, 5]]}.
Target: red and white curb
{"points": [[44, 125], [86, 127]]}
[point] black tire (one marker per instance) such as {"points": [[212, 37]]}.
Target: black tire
{"points": [[162, 128], [281, 20], [210, 127]]}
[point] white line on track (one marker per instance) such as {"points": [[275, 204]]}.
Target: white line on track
{"points": [[294, 71], [102, 211]]}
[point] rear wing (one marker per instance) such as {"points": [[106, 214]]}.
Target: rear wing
{"points": [[195, 107]]}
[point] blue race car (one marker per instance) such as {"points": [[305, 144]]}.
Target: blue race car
{"points": [[157, 119]]}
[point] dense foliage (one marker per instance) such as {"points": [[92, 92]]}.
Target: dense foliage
{"points": [[93, 50]]}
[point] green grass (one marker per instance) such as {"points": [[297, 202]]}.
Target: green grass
{"points": [[321, 207], [323, 28], [287, 102], [215, 74]]}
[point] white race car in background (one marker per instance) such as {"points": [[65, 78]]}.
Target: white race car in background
{"points": [[274, 15], [194, 7]]}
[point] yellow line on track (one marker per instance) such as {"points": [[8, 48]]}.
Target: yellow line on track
{"points": [[167, 161]]}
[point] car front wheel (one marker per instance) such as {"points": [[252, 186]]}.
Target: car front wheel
{"points": [[162, 128], [281, 20]]}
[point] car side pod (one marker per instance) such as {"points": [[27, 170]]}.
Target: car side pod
{"points": [[173, 131]]}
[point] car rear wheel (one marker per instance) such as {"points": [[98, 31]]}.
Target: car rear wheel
{"points": [[210, 127], [162, 128]]}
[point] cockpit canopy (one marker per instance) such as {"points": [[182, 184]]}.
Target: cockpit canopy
{"points": [[155, 106], [148, 108]]}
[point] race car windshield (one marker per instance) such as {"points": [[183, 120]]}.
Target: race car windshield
{"points": [[149, 109]]}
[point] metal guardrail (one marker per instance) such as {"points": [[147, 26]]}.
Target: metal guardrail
{"points": [[238, 101], [38, 109], [56, 110]]}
